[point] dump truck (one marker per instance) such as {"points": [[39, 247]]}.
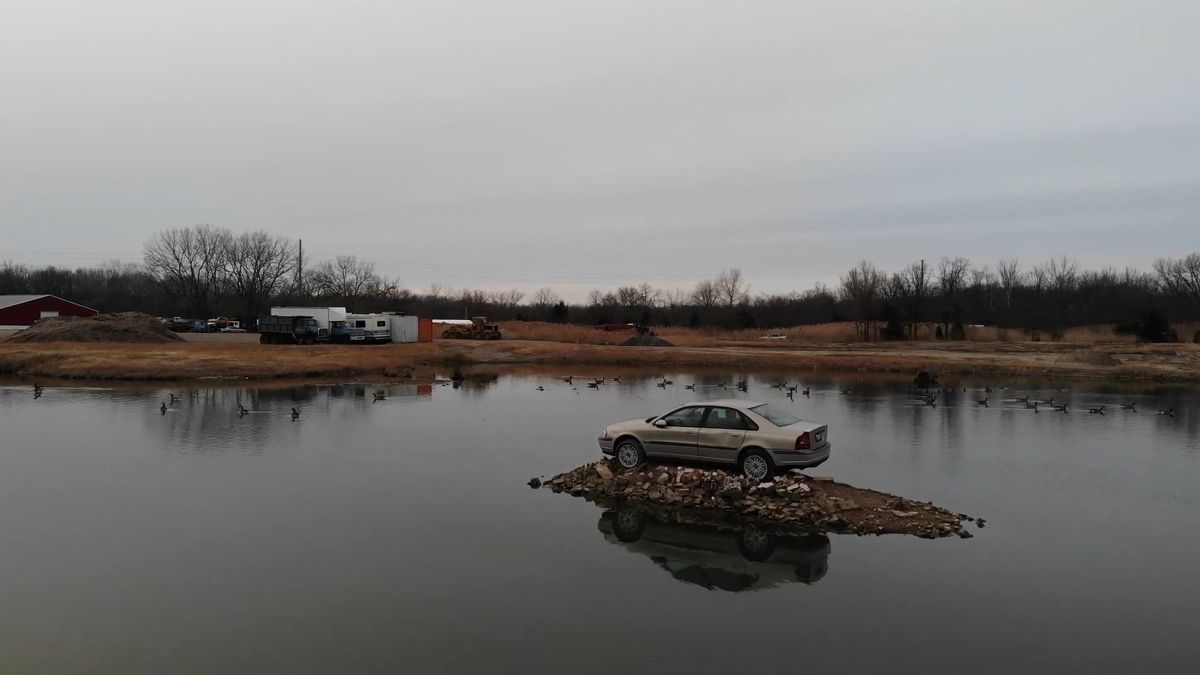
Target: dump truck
{"points": [[290, 330], [478, 329], [332, 322]]}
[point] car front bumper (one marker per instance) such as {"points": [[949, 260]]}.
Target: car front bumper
{"points": [[792, 459], [606, 445]]}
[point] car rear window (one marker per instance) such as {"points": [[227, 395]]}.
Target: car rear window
{"points": [[777, 416]]}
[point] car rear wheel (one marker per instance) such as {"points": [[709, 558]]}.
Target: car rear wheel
{"points": [[627, 525], [757, 465], [755, 545], [629, 453]]}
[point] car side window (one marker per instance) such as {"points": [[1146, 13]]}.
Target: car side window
{"points": [[685, 417], [724, 418]]}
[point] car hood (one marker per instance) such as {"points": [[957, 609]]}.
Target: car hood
{"points": [[628, 425]]}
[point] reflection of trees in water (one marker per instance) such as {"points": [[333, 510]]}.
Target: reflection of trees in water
{"points": [[473, 383], [208, 420]]}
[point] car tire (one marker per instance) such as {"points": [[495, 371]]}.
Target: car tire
{"points": [[628, 525], [757, 465], [755, 545], [629, 453]]}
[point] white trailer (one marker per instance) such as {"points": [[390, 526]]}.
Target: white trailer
{"points": [[405, 328], [326, 317], [375, 327]]}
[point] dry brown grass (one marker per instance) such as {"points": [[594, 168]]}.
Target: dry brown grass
{"points": [[718, 349], [191, 360], [561, 332], [680, 336], [814, 334]]}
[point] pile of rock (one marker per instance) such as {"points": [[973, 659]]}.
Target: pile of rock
{"points": [[123, 327], [646, 341], [792, 499]]}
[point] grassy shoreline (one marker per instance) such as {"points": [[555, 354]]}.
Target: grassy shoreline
{"points": [[194, 361]]}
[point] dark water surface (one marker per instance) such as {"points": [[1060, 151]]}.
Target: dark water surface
{"points": [[400, 537]]}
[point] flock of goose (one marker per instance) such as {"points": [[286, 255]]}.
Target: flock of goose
{"points": [[924, 397], [930, 398]]}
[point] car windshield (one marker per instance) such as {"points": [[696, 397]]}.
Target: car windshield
{"points": [[776, 416]]}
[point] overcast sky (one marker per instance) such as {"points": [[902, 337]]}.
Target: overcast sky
{"points": [[492, 143]]}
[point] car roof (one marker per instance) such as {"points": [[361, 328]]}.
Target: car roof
{"points": [[731, 402]]}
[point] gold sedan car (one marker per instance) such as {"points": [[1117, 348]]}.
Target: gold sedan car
{"points": [[757, 438]]}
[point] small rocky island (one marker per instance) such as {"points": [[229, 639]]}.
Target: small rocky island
{"points": [[792, 499]]}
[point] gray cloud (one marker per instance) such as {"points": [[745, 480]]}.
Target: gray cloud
{"points": [[589, 144]]}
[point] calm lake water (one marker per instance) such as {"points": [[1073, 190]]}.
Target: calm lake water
{"points": [[400, 537]]}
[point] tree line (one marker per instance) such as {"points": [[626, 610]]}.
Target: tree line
{"points": [[205, 271]]}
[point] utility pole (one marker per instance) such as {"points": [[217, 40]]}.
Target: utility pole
{"points": [[300, 268]]}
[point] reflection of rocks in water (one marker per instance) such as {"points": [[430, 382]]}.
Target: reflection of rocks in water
{"points": [[719, 553]]}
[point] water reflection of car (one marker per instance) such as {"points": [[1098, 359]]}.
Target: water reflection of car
{"points": [[757, 437], [739, 559]]}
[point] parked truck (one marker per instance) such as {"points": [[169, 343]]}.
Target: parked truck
{"points": [[290, 330], [478, 329], [333, 321]]}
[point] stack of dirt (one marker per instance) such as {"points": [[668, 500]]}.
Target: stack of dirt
{"points": [[646, 341], [790, 499], [124, 327]]}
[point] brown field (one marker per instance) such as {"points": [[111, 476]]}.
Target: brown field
{"points": [[238, 356], [824, 333]]}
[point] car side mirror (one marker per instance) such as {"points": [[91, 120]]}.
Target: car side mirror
{"points": [[661, 424]]}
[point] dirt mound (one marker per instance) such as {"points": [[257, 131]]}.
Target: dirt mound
{"points": [[789, 500], [646, 341], [124, 327]]}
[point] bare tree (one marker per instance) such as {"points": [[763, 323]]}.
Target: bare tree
{"points": [[1063, 274], [544, 300], [1060, 277], [258, 265], [951, 278], [600, 298], [641, 297], [347, 277], [14, 278], [863, 287], [474, 300], [189, 264], [705, 294], [1008, 271], [1180, 278], [674, 298], [507, 299], [731, 288], [439, 291], [911, 286]]}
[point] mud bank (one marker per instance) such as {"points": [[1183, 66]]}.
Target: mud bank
{"points": [[792, 500]]}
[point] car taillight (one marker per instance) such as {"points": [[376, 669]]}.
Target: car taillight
{"points": [[803, 441]]}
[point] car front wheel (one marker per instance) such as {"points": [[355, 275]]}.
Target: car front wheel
{"points": [[629, 454], [757, 465]]}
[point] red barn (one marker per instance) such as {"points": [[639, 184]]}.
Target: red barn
{"points": [[21, 311]]}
